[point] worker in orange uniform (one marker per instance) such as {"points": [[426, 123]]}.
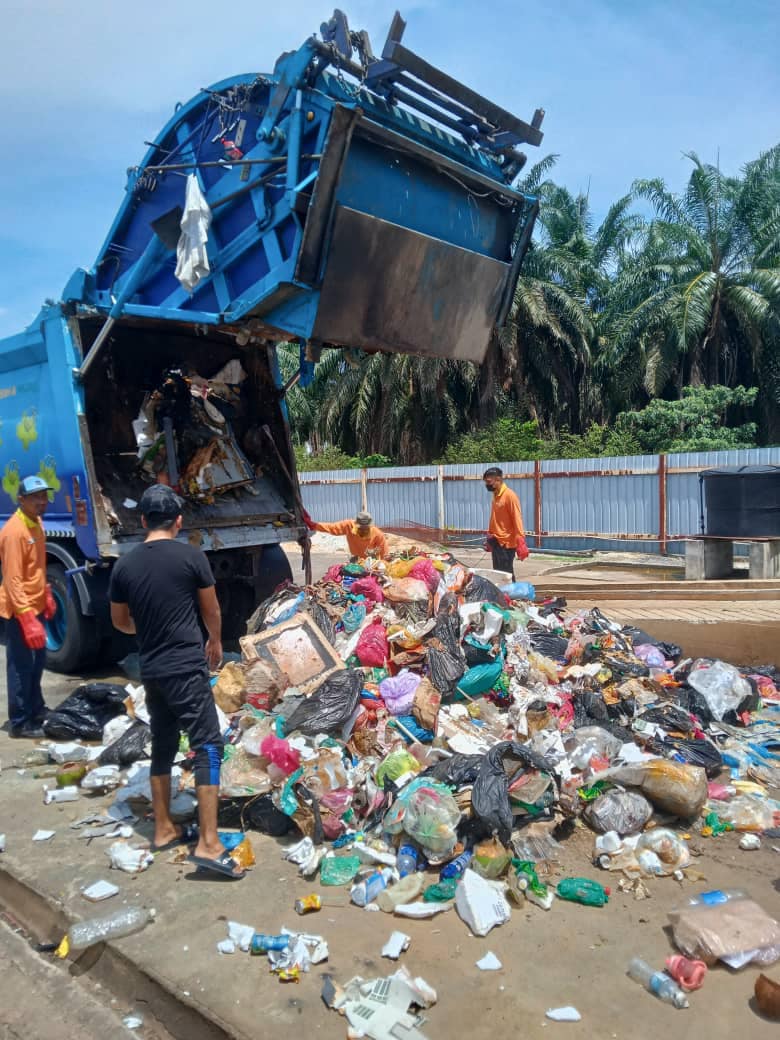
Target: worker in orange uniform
{"points": [[363, 538], [26, 601], [506, 536]]}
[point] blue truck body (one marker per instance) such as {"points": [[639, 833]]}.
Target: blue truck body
{"points": [[356, 202]]}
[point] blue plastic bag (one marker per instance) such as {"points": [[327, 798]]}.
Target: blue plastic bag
{"points": [[519, 590]]}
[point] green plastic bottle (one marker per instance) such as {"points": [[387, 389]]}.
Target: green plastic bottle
{"points": [[583, 890]]}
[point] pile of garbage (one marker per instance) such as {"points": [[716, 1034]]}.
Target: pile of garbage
{"points": [[433, 739]]}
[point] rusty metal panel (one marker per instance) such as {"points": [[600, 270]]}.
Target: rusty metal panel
{"points": [[389, 288]]}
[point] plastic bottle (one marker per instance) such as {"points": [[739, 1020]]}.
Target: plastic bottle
{"points": [[583, 890], [407, 860], [110, 926], [366, 891], [263, 943], [456, 868], [657, 982], [716, 896]]}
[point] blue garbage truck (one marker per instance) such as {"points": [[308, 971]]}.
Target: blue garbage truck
{"points": [[346, 200]]}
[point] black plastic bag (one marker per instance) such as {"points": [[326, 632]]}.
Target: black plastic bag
{"points": [[322, 620], [692, 701], [458, 771], [696, 752], [447, 631], [446, 670], [258, 813], [476, 652], [83, 714], [549, 645], [329, 706], [128, 748], [638, 636], [671, 651], [490, 794], [670, 717], [480, 590]]}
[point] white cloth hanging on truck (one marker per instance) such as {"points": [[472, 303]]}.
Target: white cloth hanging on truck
{"points": [[192, 262]]}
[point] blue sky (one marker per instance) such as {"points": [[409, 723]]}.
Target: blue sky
{"points": [[627, 86]]}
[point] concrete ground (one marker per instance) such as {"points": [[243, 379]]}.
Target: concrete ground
{"points": [[172, 971]]}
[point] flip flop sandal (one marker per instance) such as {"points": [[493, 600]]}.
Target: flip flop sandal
{"points": [[224, 864], [189, 835]]}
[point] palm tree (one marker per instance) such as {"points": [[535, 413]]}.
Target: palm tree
{"points": [[699, 299], [560, 308]]}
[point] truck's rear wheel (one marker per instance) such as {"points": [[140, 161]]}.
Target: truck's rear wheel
{"points": [[71, 638]]}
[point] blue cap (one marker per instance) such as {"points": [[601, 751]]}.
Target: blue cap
{"points": [[32, 484]]}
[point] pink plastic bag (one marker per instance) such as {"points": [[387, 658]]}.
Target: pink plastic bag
{"points": [[333, 573], [280, 753], [372, 647], [368, 587], [398, 692], [423, 570]]}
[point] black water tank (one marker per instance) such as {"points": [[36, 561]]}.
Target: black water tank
{"points": [[742, 501]]}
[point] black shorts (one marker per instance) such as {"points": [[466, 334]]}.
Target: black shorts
{"points": [[184, 703]]}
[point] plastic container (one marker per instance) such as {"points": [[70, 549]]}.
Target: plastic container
{"points": [[657, 982], [406, 890], [690, 974], [407, 860], [456, 868], [366, 891], [116, 925]]}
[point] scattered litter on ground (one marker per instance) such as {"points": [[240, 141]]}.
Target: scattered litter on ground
{"points": [[99, 890], [429, 741]]}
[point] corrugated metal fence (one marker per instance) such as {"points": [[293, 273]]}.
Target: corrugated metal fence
{"points": [[646, 502]]}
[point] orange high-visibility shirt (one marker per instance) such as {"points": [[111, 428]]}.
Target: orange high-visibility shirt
{"points": [[23, 559], [506, 518], [358, 546]]}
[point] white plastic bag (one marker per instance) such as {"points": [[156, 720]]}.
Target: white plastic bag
{"points": [[481, 904], [720, 684]]}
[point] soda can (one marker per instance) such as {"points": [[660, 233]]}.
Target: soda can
{"points": [[264, 943], [308, 904]]}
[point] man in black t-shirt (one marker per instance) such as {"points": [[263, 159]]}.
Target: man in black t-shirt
{"points": [[159, 592]]}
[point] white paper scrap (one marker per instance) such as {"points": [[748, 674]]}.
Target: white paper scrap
{"points": [[395, 945], [489, 962]]}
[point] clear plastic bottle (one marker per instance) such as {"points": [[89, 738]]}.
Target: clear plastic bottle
{"points": [[407, 860], [718, 895], [110, 926], [658, 983]]}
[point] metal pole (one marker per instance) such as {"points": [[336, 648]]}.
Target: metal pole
{"points": [[94, 350], [662, 504], [538, 502]]}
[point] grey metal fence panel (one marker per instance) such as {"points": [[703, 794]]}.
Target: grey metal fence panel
{"points": [[331, 494], [598, 503], [467, 503], [403, 495], [586, 507]]}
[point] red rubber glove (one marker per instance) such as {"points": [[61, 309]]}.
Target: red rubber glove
{"points": [[308, 521], [51, 604], [489, 543], [522, 549], [33, 632]]}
